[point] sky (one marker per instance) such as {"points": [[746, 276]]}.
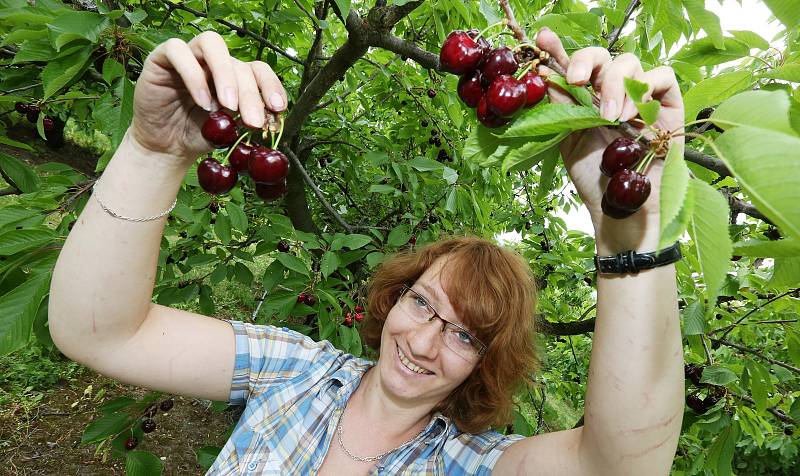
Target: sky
{"points": [[751, 15]]}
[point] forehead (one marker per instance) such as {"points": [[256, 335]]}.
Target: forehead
{"points": [[432, 283]]}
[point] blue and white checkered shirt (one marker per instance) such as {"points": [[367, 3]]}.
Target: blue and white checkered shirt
{"points": [[295, 389]]}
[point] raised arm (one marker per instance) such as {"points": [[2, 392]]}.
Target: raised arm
{"points": [[100, 310], [635, 391]]}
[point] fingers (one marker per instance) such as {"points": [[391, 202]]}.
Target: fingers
{"points": [[549, 41], [250, 106], [612, 85], [272, 90], [210, 48], [176, 54]]}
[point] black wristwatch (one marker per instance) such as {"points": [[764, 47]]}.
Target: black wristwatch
{"points": [[633, 262]]}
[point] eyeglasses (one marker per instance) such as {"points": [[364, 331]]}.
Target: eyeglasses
{"points": [[455, 337]]}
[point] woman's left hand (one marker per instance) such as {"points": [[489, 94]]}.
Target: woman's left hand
{"points": [[582, 151]]}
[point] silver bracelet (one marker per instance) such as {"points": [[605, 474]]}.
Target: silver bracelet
{"points": [[114, 214]]}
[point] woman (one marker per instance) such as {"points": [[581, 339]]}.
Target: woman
{"points": [[451, 322]]}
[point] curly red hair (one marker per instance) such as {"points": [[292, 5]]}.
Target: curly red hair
{"points": [[494, 295]]}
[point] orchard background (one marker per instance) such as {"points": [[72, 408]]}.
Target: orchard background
{"points": [[387, 158]]}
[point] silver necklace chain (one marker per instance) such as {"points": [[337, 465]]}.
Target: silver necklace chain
{"points": [[367, 458]]}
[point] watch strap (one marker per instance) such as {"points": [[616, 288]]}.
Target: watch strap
{"points": [[633, 262]]}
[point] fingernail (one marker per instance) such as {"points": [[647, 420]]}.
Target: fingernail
{"points": [[230, 98], [608, 109], [257, 115], [276, 101], [205, 99], [576, 74]]}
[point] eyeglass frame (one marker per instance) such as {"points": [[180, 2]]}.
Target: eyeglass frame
{"points": [[405, 288]]}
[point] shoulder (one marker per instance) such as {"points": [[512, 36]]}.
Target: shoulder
{"points": [[475, 453]]}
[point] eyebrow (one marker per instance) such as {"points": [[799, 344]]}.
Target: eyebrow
{"points": [[438, 302]]}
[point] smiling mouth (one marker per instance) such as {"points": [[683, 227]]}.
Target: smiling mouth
{"points": [[410, 365]]}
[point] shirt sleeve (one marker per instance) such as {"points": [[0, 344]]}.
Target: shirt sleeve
{"points": [[268, 354], [471, 454]]}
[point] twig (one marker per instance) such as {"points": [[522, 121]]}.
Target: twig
{"points": [[756, 353], [296, 163], [614, 36], [778, 413], [519, 33], [728, 329]]}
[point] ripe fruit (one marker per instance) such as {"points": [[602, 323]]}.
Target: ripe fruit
{"points": [[48, 123], [359, 309], [460, 53], [240, 157], [148, 426], [535, 87], [167, 405], [621, 153], [21, 107], [696, 403], [788, 431], [626, 192], [214, 177], [131, 443], [442, 156], [268, 165], [497, 62], [301, 297], [348, 320], [220, 129], [431, 93], [413, 240], [693, 372], [423, 123], [487, 117], [32, 113], [482, 42], [470, 89], [283, 246], [359, 317], [506, 95], [271, 191], [310, 299]]}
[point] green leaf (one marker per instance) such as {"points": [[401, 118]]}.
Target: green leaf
{"points": [[718, 375], [206, 456], [636, 91], [222, 228], [490, 12], [450, 203], [116, 404], [62, 70], [547, 119], [757, 109], [21, 175], [237, 216], [694, 322], [702, 52], [105, 426], [720, 454], [380, 188], [751, 39], [674, 185], [528, 155], [785, 248], [449, 175], [344, 7], [356, 241], [706, 20], [399, 236], [714, 90], [786, 272], [293, 263], [14, 241], [708, 228], [142, 463], [759, 384], [75, 25], [329, 263], [423, 164], [786, 11], [18, 310], [272, 275], [34, 50], [675, 229], [764, 163], [548, 171], [480, 145], [789, 72], [579, 93]]}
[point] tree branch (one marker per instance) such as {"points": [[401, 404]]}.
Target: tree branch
{"points": [[511, 22], [614, 36], [706, 161], [395, 44], [756, 353]]}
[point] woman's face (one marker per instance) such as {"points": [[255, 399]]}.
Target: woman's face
{"points": [[415, 364]]}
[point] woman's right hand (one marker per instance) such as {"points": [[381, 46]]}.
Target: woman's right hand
{"points": [[174, 94]]}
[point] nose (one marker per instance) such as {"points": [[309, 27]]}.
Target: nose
{"points": [[426, 339]]}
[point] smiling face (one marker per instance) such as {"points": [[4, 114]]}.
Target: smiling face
{"points": [[414, 362]]}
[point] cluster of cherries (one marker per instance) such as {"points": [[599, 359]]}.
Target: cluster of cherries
{"points": [[625, 160], [357, 315], [490, 81], [31, 112], [148, 424], [307, 299], [267, 167]]}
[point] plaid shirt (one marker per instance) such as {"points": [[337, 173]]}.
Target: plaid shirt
{"points": [[295, 389]]}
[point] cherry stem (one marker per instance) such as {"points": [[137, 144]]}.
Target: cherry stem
{"points": [[641, 167], [277, 143], [233, 147], [69, 99], [525, 70], [482, 32]]}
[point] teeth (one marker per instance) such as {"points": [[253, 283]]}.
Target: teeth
{"points": [[410, 365]]}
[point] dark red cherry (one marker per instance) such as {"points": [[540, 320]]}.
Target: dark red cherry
{"points": [[535, 87], [487, 117], [310, 299], [48, 123], [131, 443], [271, 191], [469, 88], [693, 372], [167, 405], [240, 157], [214, 177], [268, 165], [460, 53], [220, 129], [497, 62], [33, 113], [283, 246], [696, 403], [21, 107], [621, 153], [627, 191], [506, 95], [148, 426], [482, 42]]}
